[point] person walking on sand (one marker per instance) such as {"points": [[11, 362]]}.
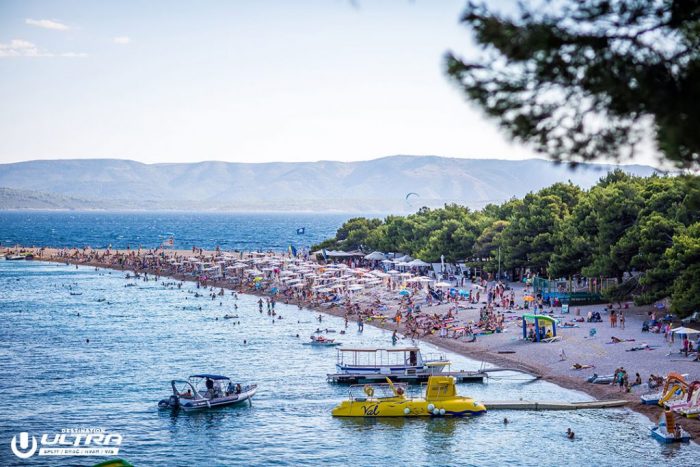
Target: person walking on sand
{"points": [[613, 319], [622, 319]]}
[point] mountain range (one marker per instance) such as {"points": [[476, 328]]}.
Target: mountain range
{"points": [[379, 185]]}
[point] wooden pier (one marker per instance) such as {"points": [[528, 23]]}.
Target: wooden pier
{"points": [[411, 378], [550, 405]]}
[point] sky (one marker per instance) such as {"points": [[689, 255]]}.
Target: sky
{"points": [[240, 81]]}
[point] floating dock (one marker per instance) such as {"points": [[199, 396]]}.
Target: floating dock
{"points": [[411, 378], [548, 405]]}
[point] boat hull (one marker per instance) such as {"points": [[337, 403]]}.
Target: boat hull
{"points": [[397, 407], [661, 435], [651, 399]]}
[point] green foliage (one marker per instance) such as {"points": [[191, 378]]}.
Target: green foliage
{"points": [[684, 261], [645, 229], [580, 80]]}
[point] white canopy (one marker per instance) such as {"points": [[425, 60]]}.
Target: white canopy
{"points": [[417, 263], [684, 330], [375, 256]]}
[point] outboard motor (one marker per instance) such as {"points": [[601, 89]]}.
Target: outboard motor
{"points": [[172, 402]]}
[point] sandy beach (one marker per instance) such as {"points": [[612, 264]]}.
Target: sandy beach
{"points": [[377, 298]]}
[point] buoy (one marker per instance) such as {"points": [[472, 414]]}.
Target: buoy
{"points": [[442, 411], [436, 412], [406, 411], [431, 407]]}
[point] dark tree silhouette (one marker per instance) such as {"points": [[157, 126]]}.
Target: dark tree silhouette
{"points": [[579, 80]]}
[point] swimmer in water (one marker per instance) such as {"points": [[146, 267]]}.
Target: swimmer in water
{"points": [[569, 433], [505, 421]]}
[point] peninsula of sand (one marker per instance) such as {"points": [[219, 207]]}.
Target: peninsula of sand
{"points": [[483, 320]]}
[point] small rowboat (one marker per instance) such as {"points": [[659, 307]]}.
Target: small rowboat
{"points": [[322, 342], [601, 379], [328, 343], [231, 316]]}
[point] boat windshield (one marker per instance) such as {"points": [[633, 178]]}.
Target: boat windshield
{"points": [[185, 390]]}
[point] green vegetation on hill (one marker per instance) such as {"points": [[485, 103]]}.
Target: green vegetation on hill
{"points": [[645, 232]]}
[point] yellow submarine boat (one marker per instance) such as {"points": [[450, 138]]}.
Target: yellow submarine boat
{"points": [[390, 400]]}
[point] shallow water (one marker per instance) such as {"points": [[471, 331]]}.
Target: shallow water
{"points": [[144, 337], [267, 231]]}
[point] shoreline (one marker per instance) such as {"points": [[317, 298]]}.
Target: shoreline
{"points": [[478, 351]]}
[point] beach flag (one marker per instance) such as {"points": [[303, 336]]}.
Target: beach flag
{"points": [[292, 250]]}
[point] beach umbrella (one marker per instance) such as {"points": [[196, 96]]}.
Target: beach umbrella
{"points": [[355, 287], [417, 263], [404, 292], [376, 256], [443, 284], [529, 298]]}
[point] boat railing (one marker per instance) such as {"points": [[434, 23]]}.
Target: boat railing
{"points": [[362, 392]]}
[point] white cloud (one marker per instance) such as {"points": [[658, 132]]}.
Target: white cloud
{"points": [[22, 48], [18, 48], [122, 40], [47, 24]]}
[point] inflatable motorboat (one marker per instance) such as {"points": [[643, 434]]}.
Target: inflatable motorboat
{"points": [[206, 391]]}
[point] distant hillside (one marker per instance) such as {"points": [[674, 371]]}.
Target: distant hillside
{"points": [[379, 185]]}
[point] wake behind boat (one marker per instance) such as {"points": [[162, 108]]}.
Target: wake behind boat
{"points": [[205, 391]]}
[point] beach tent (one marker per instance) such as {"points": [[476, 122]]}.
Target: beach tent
{"points": [[375, 256], [541, 323], [417, 263]]}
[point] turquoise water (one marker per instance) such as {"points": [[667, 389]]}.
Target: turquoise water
{"points": [[141, 337], [268, 231]]}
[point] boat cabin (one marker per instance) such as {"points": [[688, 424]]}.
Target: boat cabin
{"points": [[387, 361]]}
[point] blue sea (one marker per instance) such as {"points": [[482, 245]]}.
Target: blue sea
{"points": [[143, 336], [268, 231]]}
